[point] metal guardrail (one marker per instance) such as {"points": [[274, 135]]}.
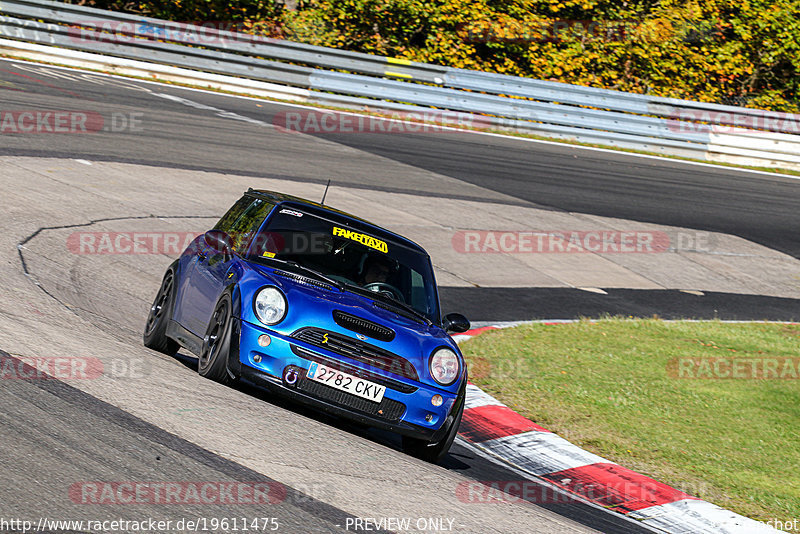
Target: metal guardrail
{"points": [[222, 40], [498, 106], [155, 51], [671, 108], [552, 109]]}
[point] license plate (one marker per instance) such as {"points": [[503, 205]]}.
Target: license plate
{"points": [[345, 382]]}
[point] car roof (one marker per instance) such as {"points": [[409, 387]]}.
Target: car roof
{"points": [[321, 209]]}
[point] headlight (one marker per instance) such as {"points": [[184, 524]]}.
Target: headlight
{"points": [[270, 305], [444, 366]]}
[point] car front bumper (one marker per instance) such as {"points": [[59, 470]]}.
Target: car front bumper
{"points": [[268, 366]]}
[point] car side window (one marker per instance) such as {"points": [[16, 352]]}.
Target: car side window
{"points": [[418, 293], [226, 222], [244, 229], [243, 220]]}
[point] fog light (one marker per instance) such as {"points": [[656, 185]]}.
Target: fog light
{"points": [[264, 340], [436, 400], [429, 417], [257, 358]]}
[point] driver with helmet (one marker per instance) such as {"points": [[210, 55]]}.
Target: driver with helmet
{"points": [[375, 273], [376, 269]]}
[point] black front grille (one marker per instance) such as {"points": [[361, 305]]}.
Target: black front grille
{"points": [[388, 409], [353, 370], [363, 326], [358, 350]]}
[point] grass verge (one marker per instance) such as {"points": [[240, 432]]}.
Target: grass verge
{"points": [[619, 388]]}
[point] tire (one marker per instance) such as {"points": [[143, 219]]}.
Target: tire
{"points": [[155, 329], [213, 359], [424, 450]]}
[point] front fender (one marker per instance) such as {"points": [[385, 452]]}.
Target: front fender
{"points": [[234, 366]]}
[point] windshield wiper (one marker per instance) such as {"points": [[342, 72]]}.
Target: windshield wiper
{"points": [[316, 274], [389, 300], [324, 278]]}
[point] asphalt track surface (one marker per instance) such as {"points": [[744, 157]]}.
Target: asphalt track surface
{"points": [[55, 433]]}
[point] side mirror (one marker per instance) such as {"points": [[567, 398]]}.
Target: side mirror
{"points": [[455, 323], [219, 242]]}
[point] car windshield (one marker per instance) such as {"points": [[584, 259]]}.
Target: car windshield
{"points": [[351, 254]]}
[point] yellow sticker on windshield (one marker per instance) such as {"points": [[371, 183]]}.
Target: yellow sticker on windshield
{"points": [[268, 254], [364, 239]]}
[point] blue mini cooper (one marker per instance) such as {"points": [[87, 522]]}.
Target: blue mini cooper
{"points": [[323, 307]]}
